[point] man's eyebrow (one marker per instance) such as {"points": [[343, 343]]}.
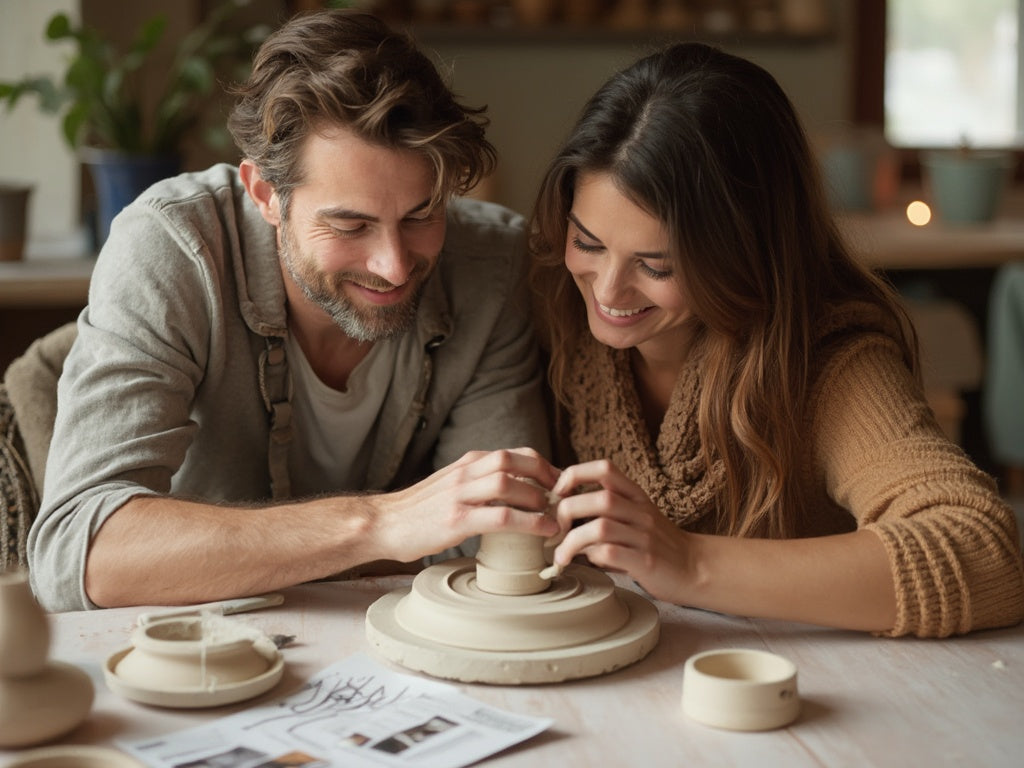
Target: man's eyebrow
{"points": [[592, 236], [350, 213], [344, 213]]}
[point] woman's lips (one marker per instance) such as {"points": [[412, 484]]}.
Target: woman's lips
{"points": [[621, 316]]}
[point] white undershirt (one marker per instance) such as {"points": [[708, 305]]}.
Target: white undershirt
{"points": [[334, 431]]}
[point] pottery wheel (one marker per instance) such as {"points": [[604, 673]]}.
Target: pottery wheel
{"points": [[580, 625]]}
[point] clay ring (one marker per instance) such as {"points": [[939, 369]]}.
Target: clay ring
{"points": [[740, 689]]}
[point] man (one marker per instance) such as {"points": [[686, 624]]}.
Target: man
{"points": [[270, 351]]}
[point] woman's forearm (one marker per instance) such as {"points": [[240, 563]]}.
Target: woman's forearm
{"points": [[842, 581]]}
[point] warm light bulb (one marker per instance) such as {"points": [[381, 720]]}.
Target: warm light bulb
{"points": [[918, 213]]}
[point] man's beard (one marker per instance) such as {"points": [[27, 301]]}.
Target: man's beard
{"points": [[371, 323]]}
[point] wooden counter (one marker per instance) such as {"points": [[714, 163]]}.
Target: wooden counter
{"points": [[45, 282]]}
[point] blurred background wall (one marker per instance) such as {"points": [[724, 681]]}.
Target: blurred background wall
{"points": [[533, 82]]}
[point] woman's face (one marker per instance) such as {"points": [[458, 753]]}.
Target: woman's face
{"points": [[618, 255]]}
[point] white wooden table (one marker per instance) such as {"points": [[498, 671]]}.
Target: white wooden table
{"points": [[866, 701]]}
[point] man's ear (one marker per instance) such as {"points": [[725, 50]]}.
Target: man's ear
{"points": [[261, 192]]}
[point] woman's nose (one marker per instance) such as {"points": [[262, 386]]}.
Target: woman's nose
{"points": [[609, 283]]}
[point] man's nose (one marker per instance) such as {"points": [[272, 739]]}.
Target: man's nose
{"points": [[391, 260]]}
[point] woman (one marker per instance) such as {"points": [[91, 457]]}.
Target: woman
{"points": [[742, 395]]}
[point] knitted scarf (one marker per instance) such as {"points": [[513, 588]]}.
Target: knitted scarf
{"points": [[607, 419], [607, 422]]}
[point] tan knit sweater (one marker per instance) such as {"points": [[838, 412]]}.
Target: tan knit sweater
{"points": [[875, 458]]}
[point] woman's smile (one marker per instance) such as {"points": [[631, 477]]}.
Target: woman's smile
{"points": [[623, 314], [619, 257]]}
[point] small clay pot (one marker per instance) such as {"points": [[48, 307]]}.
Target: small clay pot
{"points": [[740, 689], [41, 707], [14, 200], [39, 700], [176, 654], [24, 628], [967, 186]]}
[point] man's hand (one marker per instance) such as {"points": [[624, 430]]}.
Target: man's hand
{"points": [[483, 492]]}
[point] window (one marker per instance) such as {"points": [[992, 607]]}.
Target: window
{"points": [[952, 74]]}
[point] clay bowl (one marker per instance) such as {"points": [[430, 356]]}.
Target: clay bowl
{"points": [[740, 689], [74, 756], [182, 662], [176, 653]]}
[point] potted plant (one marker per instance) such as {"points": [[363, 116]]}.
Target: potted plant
{"points": [[967, 184], [101, 99]]}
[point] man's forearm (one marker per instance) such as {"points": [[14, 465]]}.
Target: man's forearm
{"points": [[165, 551]]}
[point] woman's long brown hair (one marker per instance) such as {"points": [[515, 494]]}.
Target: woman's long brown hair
{"points": [[710, 145]]}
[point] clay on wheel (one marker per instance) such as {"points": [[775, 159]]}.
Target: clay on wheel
{"points": [[495, 620]]}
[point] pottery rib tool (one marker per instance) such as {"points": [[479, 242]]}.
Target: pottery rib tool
{"points": [[225, 607]]}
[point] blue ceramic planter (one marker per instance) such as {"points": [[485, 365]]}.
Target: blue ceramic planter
{"points": [[120, 177]]}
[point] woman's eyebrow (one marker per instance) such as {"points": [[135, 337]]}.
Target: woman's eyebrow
{"points": [[639, 254], [581, 228]]}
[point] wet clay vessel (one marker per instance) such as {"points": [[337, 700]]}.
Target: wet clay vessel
{"points": [[39, 699], [193, 662]]}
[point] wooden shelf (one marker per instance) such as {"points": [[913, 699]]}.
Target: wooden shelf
{"points": [[569, 34], [45, 282], [886, 240], [607, 22]]}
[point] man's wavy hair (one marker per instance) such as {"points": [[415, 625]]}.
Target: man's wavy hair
{"points": [[348, 68]]}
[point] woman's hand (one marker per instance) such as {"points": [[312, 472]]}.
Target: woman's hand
{"points": [[620, 529], [843, 580]]}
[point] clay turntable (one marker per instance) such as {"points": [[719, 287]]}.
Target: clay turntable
{"points": [[507, 617]]}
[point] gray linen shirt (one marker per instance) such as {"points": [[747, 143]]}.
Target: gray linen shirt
{"points": [[162, 394]]}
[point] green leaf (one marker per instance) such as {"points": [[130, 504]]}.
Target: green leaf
{"points": [[59, 27], [50, 99], [150, 34], [193, 41], [73, 122], [197, 75], [85, 76], [133, 61], [113, 85], [97, 97]]}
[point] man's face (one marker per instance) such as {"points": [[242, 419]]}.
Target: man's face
{"points": [[359, 237]]}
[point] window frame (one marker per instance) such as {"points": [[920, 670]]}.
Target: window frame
{"points": [[868, 91]]}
